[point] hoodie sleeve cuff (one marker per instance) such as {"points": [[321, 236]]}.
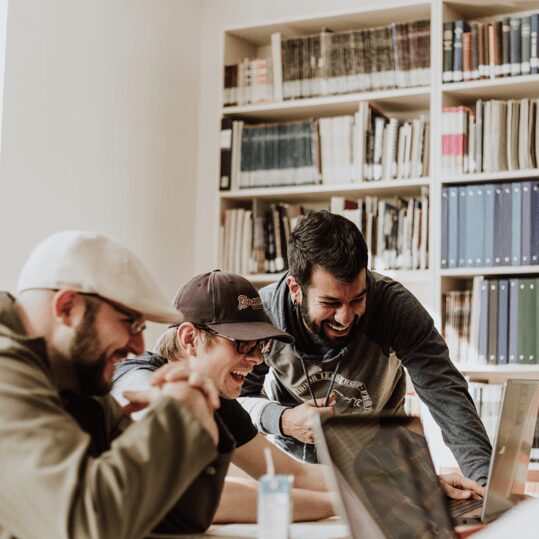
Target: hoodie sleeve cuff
{"points": [[270, 419]]}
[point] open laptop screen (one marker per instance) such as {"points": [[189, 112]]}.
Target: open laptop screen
{"points": [[386, 463]]}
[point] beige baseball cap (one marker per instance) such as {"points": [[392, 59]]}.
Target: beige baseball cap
{"points": [[90, 263]]}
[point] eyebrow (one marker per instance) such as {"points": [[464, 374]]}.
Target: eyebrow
{"points": [[362, 294]]}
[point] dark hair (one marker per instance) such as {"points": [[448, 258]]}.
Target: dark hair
{"points": [[330, 241]]}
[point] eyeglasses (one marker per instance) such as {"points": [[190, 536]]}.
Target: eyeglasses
{"points": [[135, 323], [243, 347]]}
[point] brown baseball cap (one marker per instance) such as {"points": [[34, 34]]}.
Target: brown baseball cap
{"points": [[228, 304]]}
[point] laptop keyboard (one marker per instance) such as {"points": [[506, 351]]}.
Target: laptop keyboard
{"points": [[458, 508]]}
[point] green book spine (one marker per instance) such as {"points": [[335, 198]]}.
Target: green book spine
{"points": [[527, 330]]}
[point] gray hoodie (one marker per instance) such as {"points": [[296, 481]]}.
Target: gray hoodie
{"points": [[395, 331]]}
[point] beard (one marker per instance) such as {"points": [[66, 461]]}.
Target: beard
{"points": [[317, 331], [89, 362]]}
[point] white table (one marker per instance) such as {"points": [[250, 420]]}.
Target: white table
{"points": [[331, 528]]}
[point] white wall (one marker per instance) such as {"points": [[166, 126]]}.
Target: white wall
{"points": [[100, 128], [219, 14]]}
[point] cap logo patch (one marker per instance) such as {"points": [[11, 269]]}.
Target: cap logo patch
{"points": [[244, 303]]}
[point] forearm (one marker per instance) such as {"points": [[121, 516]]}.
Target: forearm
{"points": [[265, 414], [239, 503]]}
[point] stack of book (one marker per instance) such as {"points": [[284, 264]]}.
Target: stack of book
{"points": [[395, 230], [328, 63], [250, 81], [485, 225], [488, 399], [498, 48], [456, 310], [498, 135], [501, 319], [257, 245], [368, 146]]}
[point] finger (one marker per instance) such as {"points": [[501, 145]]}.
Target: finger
{"points": [[207, 387], [158, 377], [138, 397], [472, 486], [332, 399], [132, 407], [326, 411], [455, 493], [318, 403]]}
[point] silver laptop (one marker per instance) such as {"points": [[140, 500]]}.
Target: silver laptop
{"points": [[384, 479], [511, 455], [381, 471]]}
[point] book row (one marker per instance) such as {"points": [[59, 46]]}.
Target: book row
{"points": [[493, 136], [367, 146], [395, 229], [486, 225], [393, 56], [333, 62], [250, 81], [498, 48], [252, 244], [495, 323]]}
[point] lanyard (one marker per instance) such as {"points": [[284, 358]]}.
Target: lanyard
{"points": [[330, 389]]}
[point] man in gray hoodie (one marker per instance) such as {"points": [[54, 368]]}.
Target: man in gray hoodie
{"points": [[354, 332]]}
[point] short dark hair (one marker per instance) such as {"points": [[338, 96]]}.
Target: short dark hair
{"points": [[330, 241]]}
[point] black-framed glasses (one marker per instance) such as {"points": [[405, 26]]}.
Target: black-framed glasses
{"points": [[135, 323], [243, 347]]}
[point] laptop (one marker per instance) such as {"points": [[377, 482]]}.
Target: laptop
{"points": [[381, 472], [508, 470], [384, 479]]}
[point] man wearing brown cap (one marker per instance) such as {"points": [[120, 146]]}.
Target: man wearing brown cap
{"points": [[224, 335], [69, 464]]}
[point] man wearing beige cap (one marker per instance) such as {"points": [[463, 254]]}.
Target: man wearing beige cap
{"points": [[69, 466], [224, 335]]}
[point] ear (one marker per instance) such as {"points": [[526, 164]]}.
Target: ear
{"points": [[295, 290], [187, 335], [68, 307]]}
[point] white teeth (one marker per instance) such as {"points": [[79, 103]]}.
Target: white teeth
{"points": [[337, 328], [240, 373]]}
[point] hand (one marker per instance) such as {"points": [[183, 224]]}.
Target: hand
{"points": [[458, 487], [296, 421], [192, 389], [173, 372]]}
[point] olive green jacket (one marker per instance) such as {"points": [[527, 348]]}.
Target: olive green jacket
{"points": [[163, 469]]}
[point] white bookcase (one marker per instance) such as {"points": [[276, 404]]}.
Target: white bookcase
{"points": [[429, 284]]}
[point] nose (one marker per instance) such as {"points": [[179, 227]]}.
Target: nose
{"points": [[344, 315], [136, 344], [255, 356]]}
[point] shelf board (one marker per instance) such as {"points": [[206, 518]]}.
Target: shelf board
{"points": [[498, 369], [369, 17], [263, 278], [334, 105], [493, 176], [405, 276], [325, 191], [501, 88], [496, 270]]}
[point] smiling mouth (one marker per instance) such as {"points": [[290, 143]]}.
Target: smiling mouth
{"points": [[337, 328], [239, 375]]}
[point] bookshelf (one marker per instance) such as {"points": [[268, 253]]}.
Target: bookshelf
{"points": [[426, 100]]}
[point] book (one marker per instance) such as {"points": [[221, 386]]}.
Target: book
{"points": [[226, 154], [503, 321], [527, 327], [526, 222], [512, 352], [447, 52], [515, 44], [534, 224], [493, 322], [277, 66]]}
